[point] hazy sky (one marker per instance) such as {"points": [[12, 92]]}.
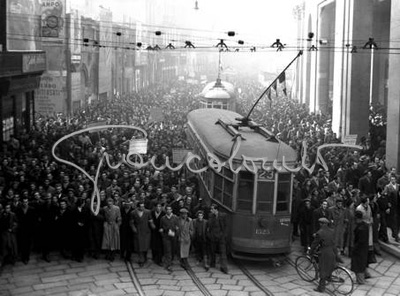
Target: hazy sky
{"points": [[255, 19]]}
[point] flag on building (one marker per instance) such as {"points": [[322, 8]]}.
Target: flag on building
{"points": [[274, 86], [282, 81]]}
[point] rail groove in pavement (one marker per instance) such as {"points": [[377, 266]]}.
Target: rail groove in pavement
{"points": [[134, 278]]}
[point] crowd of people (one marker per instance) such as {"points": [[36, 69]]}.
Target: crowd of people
{"points": [[45, 205]]}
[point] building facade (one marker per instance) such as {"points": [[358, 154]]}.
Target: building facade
{"points": [[21, 64], [350, 64]]}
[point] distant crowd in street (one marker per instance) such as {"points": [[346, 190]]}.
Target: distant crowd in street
{"points": [[45, 205]]}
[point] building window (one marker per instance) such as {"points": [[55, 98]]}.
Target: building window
{"points": [[8, 128]]}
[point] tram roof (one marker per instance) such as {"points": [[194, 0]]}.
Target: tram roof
{"points": [[220, 86], [220, 141]]}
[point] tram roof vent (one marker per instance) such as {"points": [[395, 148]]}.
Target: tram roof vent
{"points": [[233, 129]]}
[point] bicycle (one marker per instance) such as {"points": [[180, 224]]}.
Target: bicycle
{"points": [[308, 269]]}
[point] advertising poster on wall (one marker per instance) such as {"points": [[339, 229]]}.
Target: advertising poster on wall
{"points": [[50, 98], [52, 17], [23, 25]]}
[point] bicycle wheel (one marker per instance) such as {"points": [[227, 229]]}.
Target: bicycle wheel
{"points": [[342, 281], [306, 268]]}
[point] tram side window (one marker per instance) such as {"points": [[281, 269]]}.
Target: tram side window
{"points": [[223, 190], [228, 191], [218, 187], [283, 196], [245, 192]]}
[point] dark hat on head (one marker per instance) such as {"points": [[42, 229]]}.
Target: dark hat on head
{"points": [[339, 199], [199, 212], [358, 215], [323, 220], [307, 199]]}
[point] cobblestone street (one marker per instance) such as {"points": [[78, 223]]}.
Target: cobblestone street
{"points": [[63, 277]]}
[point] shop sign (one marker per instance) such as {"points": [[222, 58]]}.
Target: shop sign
{"points": [[33, 62]]}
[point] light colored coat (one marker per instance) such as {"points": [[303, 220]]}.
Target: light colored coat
{"points": [[112, 221], [185, 236]]}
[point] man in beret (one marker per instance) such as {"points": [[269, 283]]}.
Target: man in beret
{"points": [[324, 243]]}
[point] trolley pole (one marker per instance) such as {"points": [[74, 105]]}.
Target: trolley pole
{"points": [[247, 118]]}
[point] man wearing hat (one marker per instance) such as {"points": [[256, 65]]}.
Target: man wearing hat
{"points": [[324, 241], [185, 234]]}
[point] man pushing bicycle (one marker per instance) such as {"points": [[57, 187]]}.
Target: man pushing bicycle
{"points": [[324, 244]]}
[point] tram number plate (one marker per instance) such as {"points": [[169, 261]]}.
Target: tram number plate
{"points": [[262, 231]]}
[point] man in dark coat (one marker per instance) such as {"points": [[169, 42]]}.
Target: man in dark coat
{"points": [[384, 210], [156, 238], [306, 226], [8, 233], [325, 242], [365, 184], [47, 215], [321, 212], [125, 229], [79, 226], [141, 224], [216, 233], [95, 231], [359, 256], [392, 190], [63, 229], [27, 221], [169, 228], [200, 239]]}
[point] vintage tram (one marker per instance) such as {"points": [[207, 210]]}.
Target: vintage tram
{"points": [[258, 202]]}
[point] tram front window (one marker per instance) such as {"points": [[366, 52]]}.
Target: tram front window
{"points": [[245, 192], [265, 196]]}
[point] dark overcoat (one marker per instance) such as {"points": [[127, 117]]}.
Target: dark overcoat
{"points": [[141, 229], [359, 256], [325, 240]]}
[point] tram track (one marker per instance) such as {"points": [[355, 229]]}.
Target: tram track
{"points": [[202, 288], [252, 278], [134, 278]]}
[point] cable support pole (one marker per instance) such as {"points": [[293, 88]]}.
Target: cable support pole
{"points": [[269, 87]]}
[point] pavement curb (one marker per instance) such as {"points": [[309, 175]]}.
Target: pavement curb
{"points": [[392, 249]]}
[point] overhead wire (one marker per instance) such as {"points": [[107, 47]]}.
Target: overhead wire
{"points": [[199, 41]]}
